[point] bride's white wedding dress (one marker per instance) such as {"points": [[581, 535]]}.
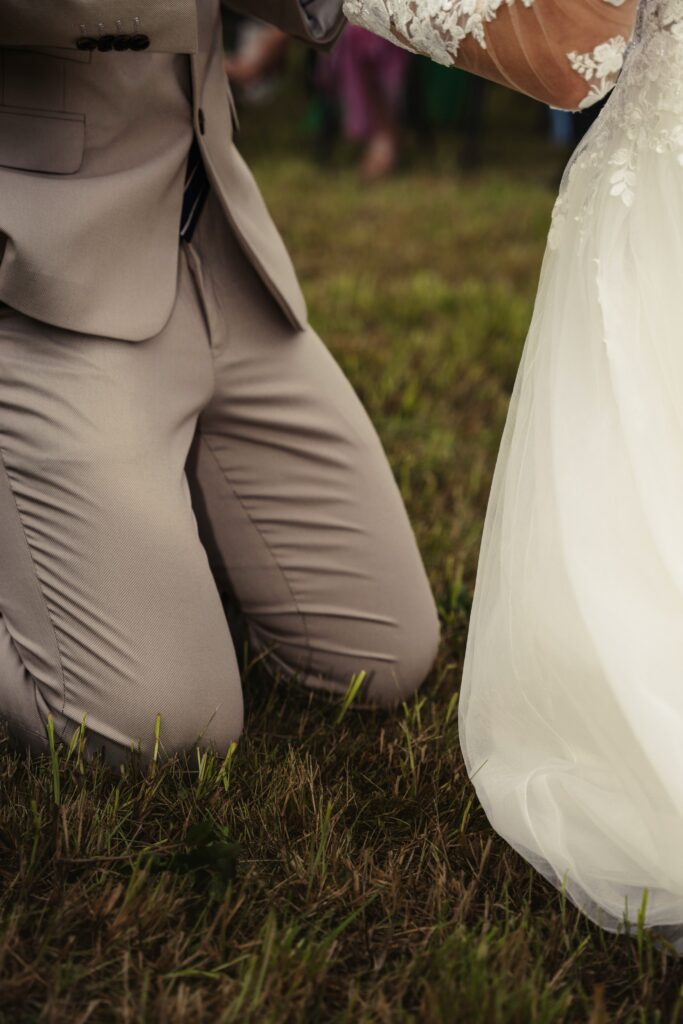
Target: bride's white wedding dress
{"points": [[571, 710]]}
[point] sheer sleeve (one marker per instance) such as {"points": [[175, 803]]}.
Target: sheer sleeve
{"points": [[567, 53]]}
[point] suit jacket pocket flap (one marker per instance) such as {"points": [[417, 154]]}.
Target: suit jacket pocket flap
{"points": [[47, 143]]}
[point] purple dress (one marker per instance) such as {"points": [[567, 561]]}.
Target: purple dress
{"points": [[365, 74]]}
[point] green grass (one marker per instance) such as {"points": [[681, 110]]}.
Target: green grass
{"points": [[338, 866]]}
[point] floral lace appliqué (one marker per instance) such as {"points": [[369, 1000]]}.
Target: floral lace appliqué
{"points": [[435, 28], [599, 68]]}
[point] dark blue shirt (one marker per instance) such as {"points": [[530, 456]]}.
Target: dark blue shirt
{"points": [[196, 190]]}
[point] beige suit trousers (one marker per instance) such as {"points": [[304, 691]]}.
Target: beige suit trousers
{"points": [[138, 481]]}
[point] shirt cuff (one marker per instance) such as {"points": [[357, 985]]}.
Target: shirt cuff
{"points": [[322, 16]]}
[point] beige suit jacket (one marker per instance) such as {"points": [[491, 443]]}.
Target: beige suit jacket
{"points": [[93, 151]]}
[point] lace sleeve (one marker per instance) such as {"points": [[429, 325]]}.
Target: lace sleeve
{"points": [[567, 53]]}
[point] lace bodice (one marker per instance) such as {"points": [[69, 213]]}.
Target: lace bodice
{"points": [[565, 52], [644, 116]]}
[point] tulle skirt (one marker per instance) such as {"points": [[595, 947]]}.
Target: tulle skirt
{"points": [[571, 709]]}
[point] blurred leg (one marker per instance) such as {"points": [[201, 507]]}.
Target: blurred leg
{"points": [[108, 608], [473, 122], [297, 503]]}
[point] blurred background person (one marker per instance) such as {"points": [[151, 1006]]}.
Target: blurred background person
{"points": [[366, 77], [442, 98], [256, 60]]}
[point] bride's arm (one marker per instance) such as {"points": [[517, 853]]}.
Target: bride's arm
{"points": [[567, 53]]}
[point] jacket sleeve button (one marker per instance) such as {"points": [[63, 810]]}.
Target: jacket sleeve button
{"points": [[105, 43], [122, 43], [139, 42], [86, 43]]}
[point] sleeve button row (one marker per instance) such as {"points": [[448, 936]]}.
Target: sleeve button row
{"points": [[109, 42]]}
